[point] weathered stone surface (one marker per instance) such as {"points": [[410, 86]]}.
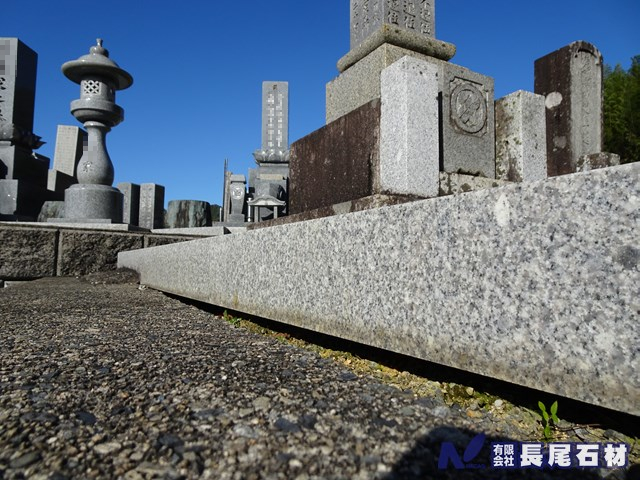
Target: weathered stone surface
{"points": [[467, 108], [151, 211], [81, 253], [188, 214], [462, 280], [521, 137], [401, 38], [360, 84], [456, 183], [409, 140], [367, 19], [571, 81], [337, 162], [467, 122], [51, 209], [27, 253], [597, 160]]}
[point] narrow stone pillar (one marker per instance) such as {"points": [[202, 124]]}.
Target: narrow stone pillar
{"points": [[521, 137]]}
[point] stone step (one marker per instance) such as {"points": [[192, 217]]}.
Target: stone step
{"points": [[535, 284]]}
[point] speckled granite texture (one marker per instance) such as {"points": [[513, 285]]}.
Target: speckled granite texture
{"points": [[536, 284]]}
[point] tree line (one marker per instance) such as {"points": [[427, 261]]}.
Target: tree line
{"points": [[622, 111]]}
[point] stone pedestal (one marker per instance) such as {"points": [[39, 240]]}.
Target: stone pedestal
{"points": [[93, 203], [389, 146]]}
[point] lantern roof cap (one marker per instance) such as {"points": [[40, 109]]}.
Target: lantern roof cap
{"points": [[97, 62]]}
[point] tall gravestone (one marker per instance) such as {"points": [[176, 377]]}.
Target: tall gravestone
{"points": [[570, 79], [70, 145], [23, 173], [268, 184]]}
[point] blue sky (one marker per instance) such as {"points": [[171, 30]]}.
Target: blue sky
{"points": [[198, 67]]}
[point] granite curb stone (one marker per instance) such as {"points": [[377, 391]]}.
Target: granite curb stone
{"points": [[505, 272]]}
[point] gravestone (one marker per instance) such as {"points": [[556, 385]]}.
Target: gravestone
{"points": [[521, 137], [570, 79], [130, 202], [151, 210], [188, 214], [23, 173], [237, 196], [275, 123], [395, 40], [70, 145], [268, 184]]}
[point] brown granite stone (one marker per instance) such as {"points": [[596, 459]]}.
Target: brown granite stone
{"points": [[571, 80], [337, 163]]}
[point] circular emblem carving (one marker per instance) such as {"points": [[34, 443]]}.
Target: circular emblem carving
{"points": [[468, 108], [237, 192]]}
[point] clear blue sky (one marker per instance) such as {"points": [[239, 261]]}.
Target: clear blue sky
{"points": [[198, 67]]}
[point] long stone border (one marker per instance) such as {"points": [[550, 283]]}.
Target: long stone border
{"points": [[536, 284]]}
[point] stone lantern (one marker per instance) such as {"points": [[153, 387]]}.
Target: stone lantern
{"points": [[94, 199]]}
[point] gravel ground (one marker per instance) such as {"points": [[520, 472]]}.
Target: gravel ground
{"points": [[101, 378]]}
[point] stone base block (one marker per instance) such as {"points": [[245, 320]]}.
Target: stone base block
{"points": [[20, 199], [19, 163], [467, 127], [390, 35], [360, 84], [533, 283], [388, 146], [95, 202]]}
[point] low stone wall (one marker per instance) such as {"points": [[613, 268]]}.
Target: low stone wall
{"points": [[40, 250], [536, 284]]}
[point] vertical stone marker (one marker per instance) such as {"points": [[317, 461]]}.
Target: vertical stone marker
{"points": [[275, 118], [130, 202], [268, 184], [23, 173], [151, 211], [571, 81], [70, 144], [367, 16], [521, 137]]}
